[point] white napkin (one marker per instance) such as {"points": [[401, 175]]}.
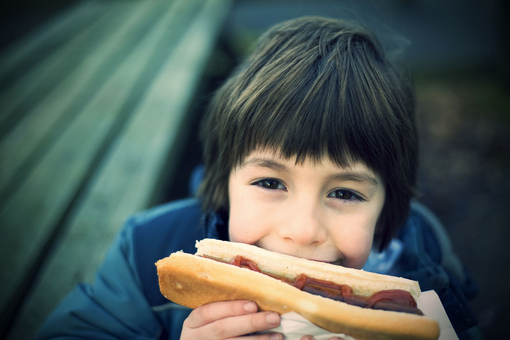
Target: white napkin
{"points": [[431, 306], [294, 326]]}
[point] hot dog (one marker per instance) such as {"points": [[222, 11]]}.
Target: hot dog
{"points": [[341, 300]]}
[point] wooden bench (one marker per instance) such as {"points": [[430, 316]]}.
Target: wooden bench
{"points": [[93, 110]]}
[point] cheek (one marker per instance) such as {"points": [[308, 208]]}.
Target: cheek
{"points": [[243, 217], [357, 250], [238, 225], [355, 241], [359, 257]]}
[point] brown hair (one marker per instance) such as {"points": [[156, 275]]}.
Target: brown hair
{"points": [[313, 87]]}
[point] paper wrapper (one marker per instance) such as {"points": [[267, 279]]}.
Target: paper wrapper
{"points": [[294, 326]]}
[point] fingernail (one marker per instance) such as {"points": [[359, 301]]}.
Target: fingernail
{"points": [[273, 319], [276, 336], [250, 307]]}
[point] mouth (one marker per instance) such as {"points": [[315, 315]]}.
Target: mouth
{"points": [[337, 261]]}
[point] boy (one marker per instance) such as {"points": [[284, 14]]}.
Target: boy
{"points": [[310, 149]]}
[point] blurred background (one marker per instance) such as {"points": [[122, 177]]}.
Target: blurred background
{"points": [[458, 53]]}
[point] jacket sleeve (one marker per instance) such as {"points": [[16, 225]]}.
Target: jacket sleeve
{"points": [[113, 307]]}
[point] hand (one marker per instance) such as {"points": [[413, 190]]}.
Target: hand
{"points": [[230, 319]]}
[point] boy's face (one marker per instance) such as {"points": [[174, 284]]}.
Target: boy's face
{"points": [[319, 211]]}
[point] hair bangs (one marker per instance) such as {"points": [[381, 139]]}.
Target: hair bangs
{"points": [[310, 111]]}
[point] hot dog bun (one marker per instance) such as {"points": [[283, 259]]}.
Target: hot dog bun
{"points": [[193, 281]]}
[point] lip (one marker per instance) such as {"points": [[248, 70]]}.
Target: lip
{"points": [[337, 262]]}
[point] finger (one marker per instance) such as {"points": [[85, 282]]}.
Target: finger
{"points": [[263, 336], [309, 337], [219, 310], [239, 325]]}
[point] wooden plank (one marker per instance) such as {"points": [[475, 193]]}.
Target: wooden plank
{"points": [[24, 53], [39, 91], [29, 217], [27, 142], [68, 50], [130, 172]]}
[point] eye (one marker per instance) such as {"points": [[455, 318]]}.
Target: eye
{"points": [[345, 194], [270, 183]]}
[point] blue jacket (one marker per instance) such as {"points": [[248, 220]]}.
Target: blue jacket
{"points": [[124, 301]]}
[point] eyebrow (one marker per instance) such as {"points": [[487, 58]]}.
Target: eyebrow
{"points": [[353, 176], [360, 177], [265, 163]]}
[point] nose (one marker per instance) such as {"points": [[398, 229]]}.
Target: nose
{"points": [[304, 226]]}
